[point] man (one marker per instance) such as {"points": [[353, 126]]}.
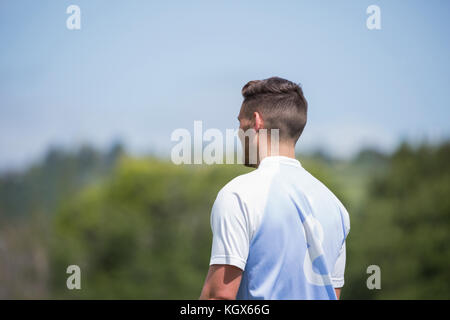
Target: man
{"points": [[278, 233]]}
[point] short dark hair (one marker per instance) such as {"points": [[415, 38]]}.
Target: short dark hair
{"points": [[281, 104]]}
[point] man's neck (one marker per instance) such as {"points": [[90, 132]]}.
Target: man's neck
{"points": [[284, 150]]}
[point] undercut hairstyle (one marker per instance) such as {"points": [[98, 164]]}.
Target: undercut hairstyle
{"points": [[281, 104]]}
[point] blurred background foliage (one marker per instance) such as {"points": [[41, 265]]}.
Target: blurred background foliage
{"points": [[139, 227]]}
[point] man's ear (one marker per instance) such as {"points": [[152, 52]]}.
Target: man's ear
{"points": [[259, 122]]}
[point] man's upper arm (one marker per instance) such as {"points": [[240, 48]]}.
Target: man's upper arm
{"points": [[230, 247], [337, 276], [229, 226], [222, 282]]}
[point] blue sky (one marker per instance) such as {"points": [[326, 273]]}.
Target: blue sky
{"points": [[137, 70]]}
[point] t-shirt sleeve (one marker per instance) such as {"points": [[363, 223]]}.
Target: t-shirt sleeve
{"points": [[230, 231], [337, 276]]}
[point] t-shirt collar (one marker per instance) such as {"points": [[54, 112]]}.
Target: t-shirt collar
{"points": [[279, 160]]}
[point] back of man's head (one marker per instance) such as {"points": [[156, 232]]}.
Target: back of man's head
{"points": [[280, 103]]}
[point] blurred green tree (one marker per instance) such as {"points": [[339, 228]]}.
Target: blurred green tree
{"points": [[403, 227], [144, 233]]}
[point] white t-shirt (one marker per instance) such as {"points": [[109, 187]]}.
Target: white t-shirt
{"points": [[284, 229]]}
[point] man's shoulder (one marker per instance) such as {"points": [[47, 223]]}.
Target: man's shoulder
{"points": [[326, 195], [247, 186], [241, 183]]}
